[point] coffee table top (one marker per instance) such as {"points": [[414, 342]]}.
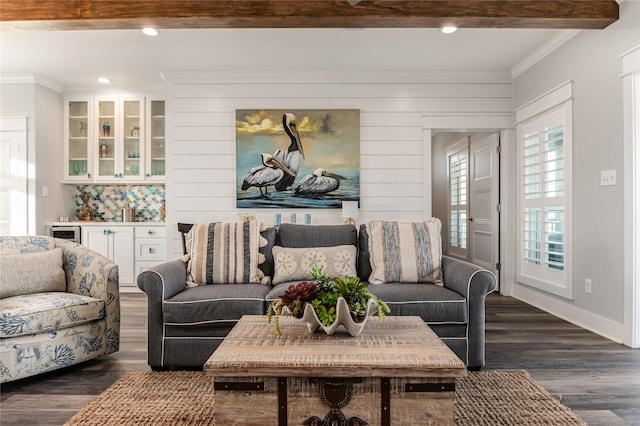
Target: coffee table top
{"points": [[398, 347]]}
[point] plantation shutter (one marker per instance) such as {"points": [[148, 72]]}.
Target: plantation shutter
{"points": [[458, 201], [544, 147]]}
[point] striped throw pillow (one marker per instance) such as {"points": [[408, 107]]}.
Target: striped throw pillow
{"points": [[224, 253], [405, 252]]}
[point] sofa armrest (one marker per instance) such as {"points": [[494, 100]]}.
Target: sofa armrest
{"points": [[160, 283], [466, 278], [90, 274], [474, 283]]}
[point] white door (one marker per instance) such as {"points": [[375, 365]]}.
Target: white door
{"points": [[13, 176], [484, 184]]}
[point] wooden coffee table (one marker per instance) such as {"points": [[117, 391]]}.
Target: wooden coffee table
{"points": [[395, 373]]}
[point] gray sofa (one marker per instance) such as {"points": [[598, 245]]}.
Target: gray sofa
{"points": [[187, 324]]}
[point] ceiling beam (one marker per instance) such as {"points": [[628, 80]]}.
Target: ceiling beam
{"points": [[133, 14]]}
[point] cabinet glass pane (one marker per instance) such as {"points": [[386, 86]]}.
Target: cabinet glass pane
{"points": [[106, 138], [78, 141], [157, 138], [132, 145]]}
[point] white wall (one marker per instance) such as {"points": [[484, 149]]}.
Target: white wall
{"points": [[591, 60], [395, 156], [43, 107]]}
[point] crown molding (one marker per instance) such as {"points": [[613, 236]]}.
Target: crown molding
{"points": [[31, 79], [543, 51]]}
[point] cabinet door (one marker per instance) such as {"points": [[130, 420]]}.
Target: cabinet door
{"points": [[155, 153], [132, 139], [105, 132], [123, 253], [97, 239], [78, 146]]}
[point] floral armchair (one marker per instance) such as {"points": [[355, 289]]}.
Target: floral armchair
{"points": [[59, 305]]}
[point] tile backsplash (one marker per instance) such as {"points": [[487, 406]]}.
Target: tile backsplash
{"points": [[108, 200]]}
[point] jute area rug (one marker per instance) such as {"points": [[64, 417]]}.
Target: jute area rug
{"points": [[493, 398]]}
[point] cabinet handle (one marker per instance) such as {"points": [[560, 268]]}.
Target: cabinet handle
{"points": [[88, 175], [107, 232], [148, 175], [150, 232], [115, 175], [150, 250]]}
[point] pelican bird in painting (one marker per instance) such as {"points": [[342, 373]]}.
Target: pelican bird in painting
{"points": [[294, 154], [318, 183], [269, 173]]}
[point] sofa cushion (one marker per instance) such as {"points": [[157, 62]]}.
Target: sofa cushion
{"points": [[25, 244], [43, 312], [215, 303], [31, 273], [294, 263], [407, 252], [226, 253], [293, 235], [434, 304]]}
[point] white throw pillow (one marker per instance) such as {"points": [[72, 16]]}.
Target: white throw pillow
{"points": [[293, 264]]}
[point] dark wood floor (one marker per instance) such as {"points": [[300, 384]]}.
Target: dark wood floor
{"points": [[598, 379]]}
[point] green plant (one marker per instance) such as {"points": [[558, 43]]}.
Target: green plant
{"points": [[323, 295]]}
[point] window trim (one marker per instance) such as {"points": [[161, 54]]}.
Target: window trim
{"points": [[558, 100]]}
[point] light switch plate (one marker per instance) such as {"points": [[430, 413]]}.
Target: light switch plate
{"points": [[607, 177]]}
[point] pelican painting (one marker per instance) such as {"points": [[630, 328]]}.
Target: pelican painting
{"points": [[294, 154], [269, 173], [318, 183], [300, 143]]}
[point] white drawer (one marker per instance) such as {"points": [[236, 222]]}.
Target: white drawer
{"points": [[151, 231], [150, 249]]}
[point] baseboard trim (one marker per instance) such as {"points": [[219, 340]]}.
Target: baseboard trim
{"points": [[595, 323]]}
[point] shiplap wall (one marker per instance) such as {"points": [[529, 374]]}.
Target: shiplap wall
{"points": [[395, 153]]}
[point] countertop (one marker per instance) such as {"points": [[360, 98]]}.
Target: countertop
{"points": [[97, 223]]}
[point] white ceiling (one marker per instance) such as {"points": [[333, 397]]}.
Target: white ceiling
{"points": [[75, 59]]}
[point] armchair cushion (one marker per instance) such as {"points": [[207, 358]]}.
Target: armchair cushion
{"points": [[43, 312], [31, 272]]}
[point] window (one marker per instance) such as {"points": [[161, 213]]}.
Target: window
{"points": [[458, 166], [544, 207]]}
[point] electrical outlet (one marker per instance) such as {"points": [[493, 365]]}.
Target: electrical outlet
{"points": [[607, 177], [587, 285]]}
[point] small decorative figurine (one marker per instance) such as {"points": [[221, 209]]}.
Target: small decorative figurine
{"points": [[106, 129], [86, 212], [163, 212], [104, 150]]}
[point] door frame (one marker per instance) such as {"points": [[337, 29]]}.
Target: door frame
{"points": [[503, 124]]}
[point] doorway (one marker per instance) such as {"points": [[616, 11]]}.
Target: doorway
{"points": [[13, 176], [466, 195]]}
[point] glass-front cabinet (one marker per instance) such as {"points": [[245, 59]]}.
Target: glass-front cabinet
{"points": [[155, 154], [106, 139], [78, 153], [120, 136]]}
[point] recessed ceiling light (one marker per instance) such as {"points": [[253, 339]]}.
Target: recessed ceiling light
{"points": [[104, 80], [151, 32], [449, 29]]}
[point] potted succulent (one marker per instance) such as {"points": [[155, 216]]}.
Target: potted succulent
{"points": [[327, 304]]}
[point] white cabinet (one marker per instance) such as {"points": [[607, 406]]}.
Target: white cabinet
{"points": [[120, 136], [150, 247], [116, 243], [114, 139], [78, 147], [155, 152]]}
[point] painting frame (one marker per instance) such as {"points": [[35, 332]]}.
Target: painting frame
{"points": [[297, 158]]}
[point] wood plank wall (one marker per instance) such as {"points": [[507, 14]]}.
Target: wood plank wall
{"points": [[395, 155]]}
